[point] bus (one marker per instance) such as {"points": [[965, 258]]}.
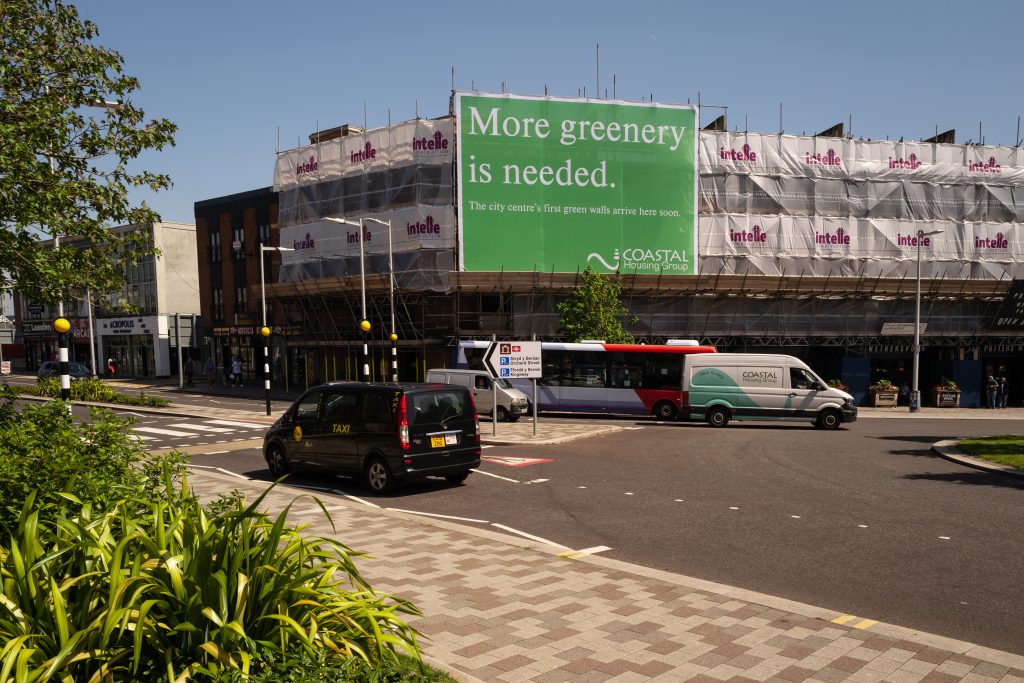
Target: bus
{"points": [[595, 377]]}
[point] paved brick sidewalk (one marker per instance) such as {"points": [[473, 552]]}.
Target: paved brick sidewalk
{"points": [[501, 608]]}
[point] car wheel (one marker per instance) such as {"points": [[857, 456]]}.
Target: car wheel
{"points": [[718, 417], [502, 414], [664, 410], [456, 478], [829, 419], [277, 460], [378, 476]]}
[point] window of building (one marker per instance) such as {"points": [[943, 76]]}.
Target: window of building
{"points": [[264, 234], [241, 299], [214, 247], [218, 304], [238, 243]]}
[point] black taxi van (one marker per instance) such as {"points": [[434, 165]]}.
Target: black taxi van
{"points": [[383, 433]]}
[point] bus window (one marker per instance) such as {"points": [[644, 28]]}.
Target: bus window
{"points": [[662, 371], [588, 369], [624, 372], [556, 369]]}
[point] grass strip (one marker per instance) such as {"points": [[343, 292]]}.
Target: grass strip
{"points": [[1007, 449]]}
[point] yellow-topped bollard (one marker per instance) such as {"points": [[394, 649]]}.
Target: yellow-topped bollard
{"points": [[365, 326], [394, 337], [265, 331], [61, 326]]}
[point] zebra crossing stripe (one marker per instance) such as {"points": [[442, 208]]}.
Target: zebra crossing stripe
{"points": [[203, 428], [234, 423], [164, 432]]}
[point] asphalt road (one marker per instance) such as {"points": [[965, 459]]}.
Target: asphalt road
{"points": [[863, 520]]}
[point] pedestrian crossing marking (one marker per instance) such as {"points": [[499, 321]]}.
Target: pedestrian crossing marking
{"points": [[235, 423], [203, 428], [843, 619], [164, 432]]}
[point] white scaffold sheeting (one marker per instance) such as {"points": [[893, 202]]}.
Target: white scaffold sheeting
{"points": [[424, 142], [412, 229], [791, 155], [819, 245]]}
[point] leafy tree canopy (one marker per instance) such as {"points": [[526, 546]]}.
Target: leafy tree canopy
{"points": [[594, 310], [68, 130]]}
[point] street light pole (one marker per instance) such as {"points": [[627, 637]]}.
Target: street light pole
{"points": [[915, 392], [391, 298], [364, 324], [264, 330]]}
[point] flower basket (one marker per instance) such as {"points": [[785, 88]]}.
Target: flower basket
{"points": [[947, 394], [883, 394]]}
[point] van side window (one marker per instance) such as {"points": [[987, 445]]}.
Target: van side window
{"points": [[376, 409], [341, 407], [482, 383], [308, 405], [801, 379]]}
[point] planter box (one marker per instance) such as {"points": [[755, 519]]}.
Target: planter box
{"points": [[883, 399], [947, 399]]}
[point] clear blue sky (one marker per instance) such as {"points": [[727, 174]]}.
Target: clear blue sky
{"points": [[231, 73]]}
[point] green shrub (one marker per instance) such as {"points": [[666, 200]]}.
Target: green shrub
{"points": [[91, 389], [175, 593]]}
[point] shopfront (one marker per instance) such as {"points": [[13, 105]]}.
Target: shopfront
{"points": [[138, 345]]}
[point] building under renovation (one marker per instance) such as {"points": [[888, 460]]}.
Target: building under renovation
{"points": [[806, 245]]}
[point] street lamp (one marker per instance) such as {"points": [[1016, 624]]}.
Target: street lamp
{"points": [[391, 298], [364, 324], [915, 393], [264, 330]]}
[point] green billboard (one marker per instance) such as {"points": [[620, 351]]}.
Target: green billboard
{"points": [[553, 184]]}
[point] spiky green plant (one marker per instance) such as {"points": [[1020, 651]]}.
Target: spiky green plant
{"points": [[177, 593]]}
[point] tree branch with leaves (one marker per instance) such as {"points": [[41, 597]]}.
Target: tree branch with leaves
{"points": [[594, 310], [68, 132]]}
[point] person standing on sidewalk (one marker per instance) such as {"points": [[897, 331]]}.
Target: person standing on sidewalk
{"points": [[209, 371], [190, 371], [991, 390], [236, 373], [1004, 392]]}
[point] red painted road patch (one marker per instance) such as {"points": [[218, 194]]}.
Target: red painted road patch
{"points": [[514, 462]]}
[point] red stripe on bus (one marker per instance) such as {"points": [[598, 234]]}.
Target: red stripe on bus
{"points": [[643, 348]]}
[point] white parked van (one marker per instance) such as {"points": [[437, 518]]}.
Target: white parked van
{"points": [[718, 387], [512, 403]]}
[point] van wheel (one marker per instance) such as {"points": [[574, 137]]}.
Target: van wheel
{"points": [[829, 419], [664, 410], [377, 475], [456, 478], [502, 414], [718, 417], [277, 461]]}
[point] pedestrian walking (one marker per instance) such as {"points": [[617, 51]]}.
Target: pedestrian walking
{"points": [[190, 370], [111, 366], [209, 371], [236, 373], [1004, 392], [991, 390]]}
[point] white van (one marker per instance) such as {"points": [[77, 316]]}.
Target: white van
{"points": [[718, 387], [512, 403]]}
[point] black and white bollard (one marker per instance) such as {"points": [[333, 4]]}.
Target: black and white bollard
{"points": [[394, 358], [61, 326], [265, 331]]}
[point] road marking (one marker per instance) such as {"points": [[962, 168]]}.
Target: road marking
{"points": [[679, 500], [234, 423], [431, 514], [795, 516], [514, 462], [733, 508], [537, 481], [164, 432], [867, 623], [213, 452], [529, 536], [944, 538], [497, 476], [843, 619], [228, 472], [487, 446], [581, 487], [863, 526], [202, 428], [632, 428], [358, 500], [576, 554]]}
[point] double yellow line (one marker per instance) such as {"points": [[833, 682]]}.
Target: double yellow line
{"points": [[847, 618]]}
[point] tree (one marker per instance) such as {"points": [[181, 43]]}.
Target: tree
{"points": [[68, 130], [594, 311]]}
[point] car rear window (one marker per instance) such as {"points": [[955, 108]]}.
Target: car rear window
{"points": [[434, 406]]}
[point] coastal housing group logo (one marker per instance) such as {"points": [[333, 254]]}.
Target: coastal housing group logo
{"points": [[639, 258]]}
